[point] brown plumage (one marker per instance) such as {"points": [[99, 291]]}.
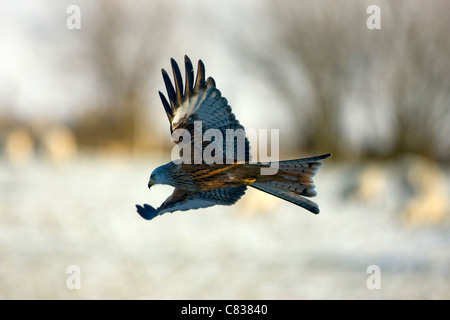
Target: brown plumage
{"points": [[200, 183]]}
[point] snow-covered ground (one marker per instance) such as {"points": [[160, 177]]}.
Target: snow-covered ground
{"points": [[82, 213]]}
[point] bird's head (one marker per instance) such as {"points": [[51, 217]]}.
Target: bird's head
{"points": [[159, 176]]}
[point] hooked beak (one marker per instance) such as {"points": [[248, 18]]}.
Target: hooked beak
{"points": [[151, 183]]}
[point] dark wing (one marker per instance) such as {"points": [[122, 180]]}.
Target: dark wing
{"points": [[202, 101], [182, 200]]}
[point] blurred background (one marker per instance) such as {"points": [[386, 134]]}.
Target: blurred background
{"points": [[82, 127]]}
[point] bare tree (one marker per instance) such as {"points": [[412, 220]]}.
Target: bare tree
{"points": [[418, 81], [333, 55], [121, 45], [317, 41]]}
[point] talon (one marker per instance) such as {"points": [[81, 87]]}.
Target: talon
{"points": [[248, 181]]}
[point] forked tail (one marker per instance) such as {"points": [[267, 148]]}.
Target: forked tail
{"points": [[293, 181]]}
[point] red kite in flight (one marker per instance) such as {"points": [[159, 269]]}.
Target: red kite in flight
{"points": [[197, 109]]}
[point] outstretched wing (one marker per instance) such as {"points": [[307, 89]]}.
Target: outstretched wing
{"points": [[182, 200], [200, 107]]}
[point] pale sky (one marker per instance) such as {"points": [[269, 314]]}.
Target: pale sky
{"points": [[35, 38]]}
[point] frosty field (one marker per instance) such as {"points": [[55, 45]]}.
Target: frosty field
{"points": [[82, 213]]}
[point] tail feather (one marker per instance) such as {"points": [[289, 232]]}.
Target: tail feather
{"points": [[293, 181], [287, 195]]}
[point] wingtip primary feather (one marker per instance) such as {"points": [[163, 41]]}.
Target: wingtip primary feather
{"points": [[166, 106], [200, 81], [189, 86], [178, 80], [170, 90], [147, 212]]}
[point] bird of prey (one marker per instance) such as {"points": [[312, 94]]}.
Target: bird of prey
{"points": [[200, 183]]}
